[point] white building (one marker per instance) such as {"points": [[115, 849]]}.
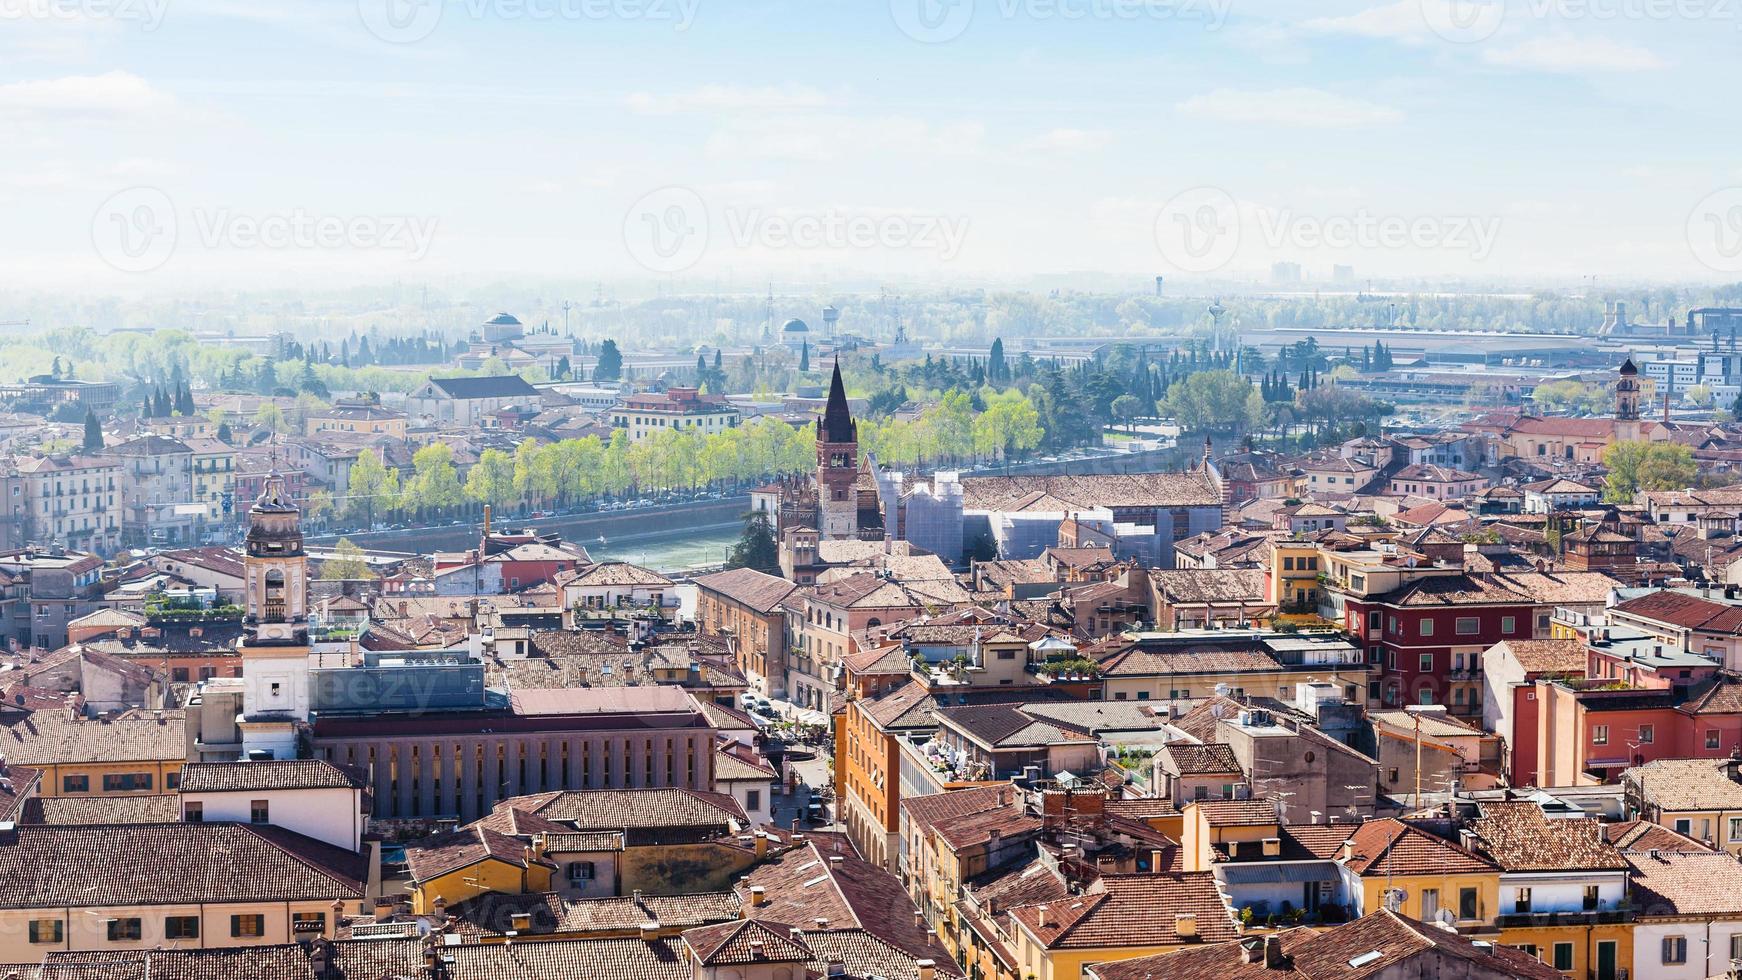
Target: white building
{"points": [[312, 797]]}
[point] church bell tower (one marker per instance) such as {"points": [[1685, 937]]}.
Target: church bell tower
{"points": [[837, 466], [275, 648]]}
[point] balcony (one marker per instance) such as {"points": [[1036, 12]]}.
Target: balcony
{"points": [[1536, 920]]}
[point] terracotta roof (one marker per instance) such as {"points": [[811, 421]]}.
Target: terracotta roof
{"points": [[935, 809], [49, 738], [491, 914], [229, 777], [1392, 847], [619, 809], [1131, 910], [1643, 835], [1082, 492], [1238, 813], [69, 811], [1186, 586], [814, 881], [436, 856], [172, 864], [757, 590], [1684, 883], [747, 941], [1380, 943], [1518, 837], [243, 963], [1548, 656], [1686, 784], [1684, 610], [1189, 759]]}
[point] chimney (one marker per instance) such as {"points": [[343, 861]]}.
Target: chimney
{"points": [[383, 909], [928, 970], [1272, 847], [1233, 849], [1156, 864], [761, 846], [758, 896], [755, 949], [649, 931], [1348, 850], [822, 924], [1185, 925], [1273, 958]]}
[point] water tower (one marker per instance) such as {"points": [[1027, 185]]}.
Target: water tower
{"points": [[830, 316]]}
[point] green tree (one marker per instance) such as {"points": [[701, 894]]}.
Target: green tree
{"points": [[1126, 408], [756, 547], [1636, 466], [93, 429], [435, 484], [348, 562], [491, 481], [610, 366], [1214, 401], [373, 488], [269, 417], [318, 507]]}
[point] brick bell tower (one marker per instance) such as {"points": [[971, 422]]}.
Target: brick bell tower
{"points": [[837, 466]]}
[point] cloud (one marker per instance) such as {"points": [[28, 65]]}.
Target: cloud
{"points": [[113, 94], [1069, 141], [821, 138], [1400, 21], [728, 98], [1303, 107], [1566, 55]]}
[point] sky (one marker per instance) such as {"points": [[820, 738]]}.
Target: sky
{"points": [[199, 144]]}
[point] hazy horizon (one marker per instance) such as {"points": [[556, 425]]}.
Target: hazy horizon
{"points": [[686, 146]]}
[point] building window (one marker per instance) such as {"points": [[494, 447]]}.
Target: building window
{"points": [[1675, 949], [580, 871], [1646, 734], [49, 931], [259, 811], [1735, 829], [1508, 625], [1467, 626], [1599, 734], [303, 923], [126, 782], [1563, 956], [1427, 627], [1593, 898], [193, 812], [248, 926], [181, 927], [753, 799], [1521, 900], [1467, 903], [124, 930], [1714, 739], [75, 784], [1426, 663]]}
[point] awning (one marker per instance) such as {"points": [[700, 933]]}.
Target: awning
{"points": [[1270, 874]]}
